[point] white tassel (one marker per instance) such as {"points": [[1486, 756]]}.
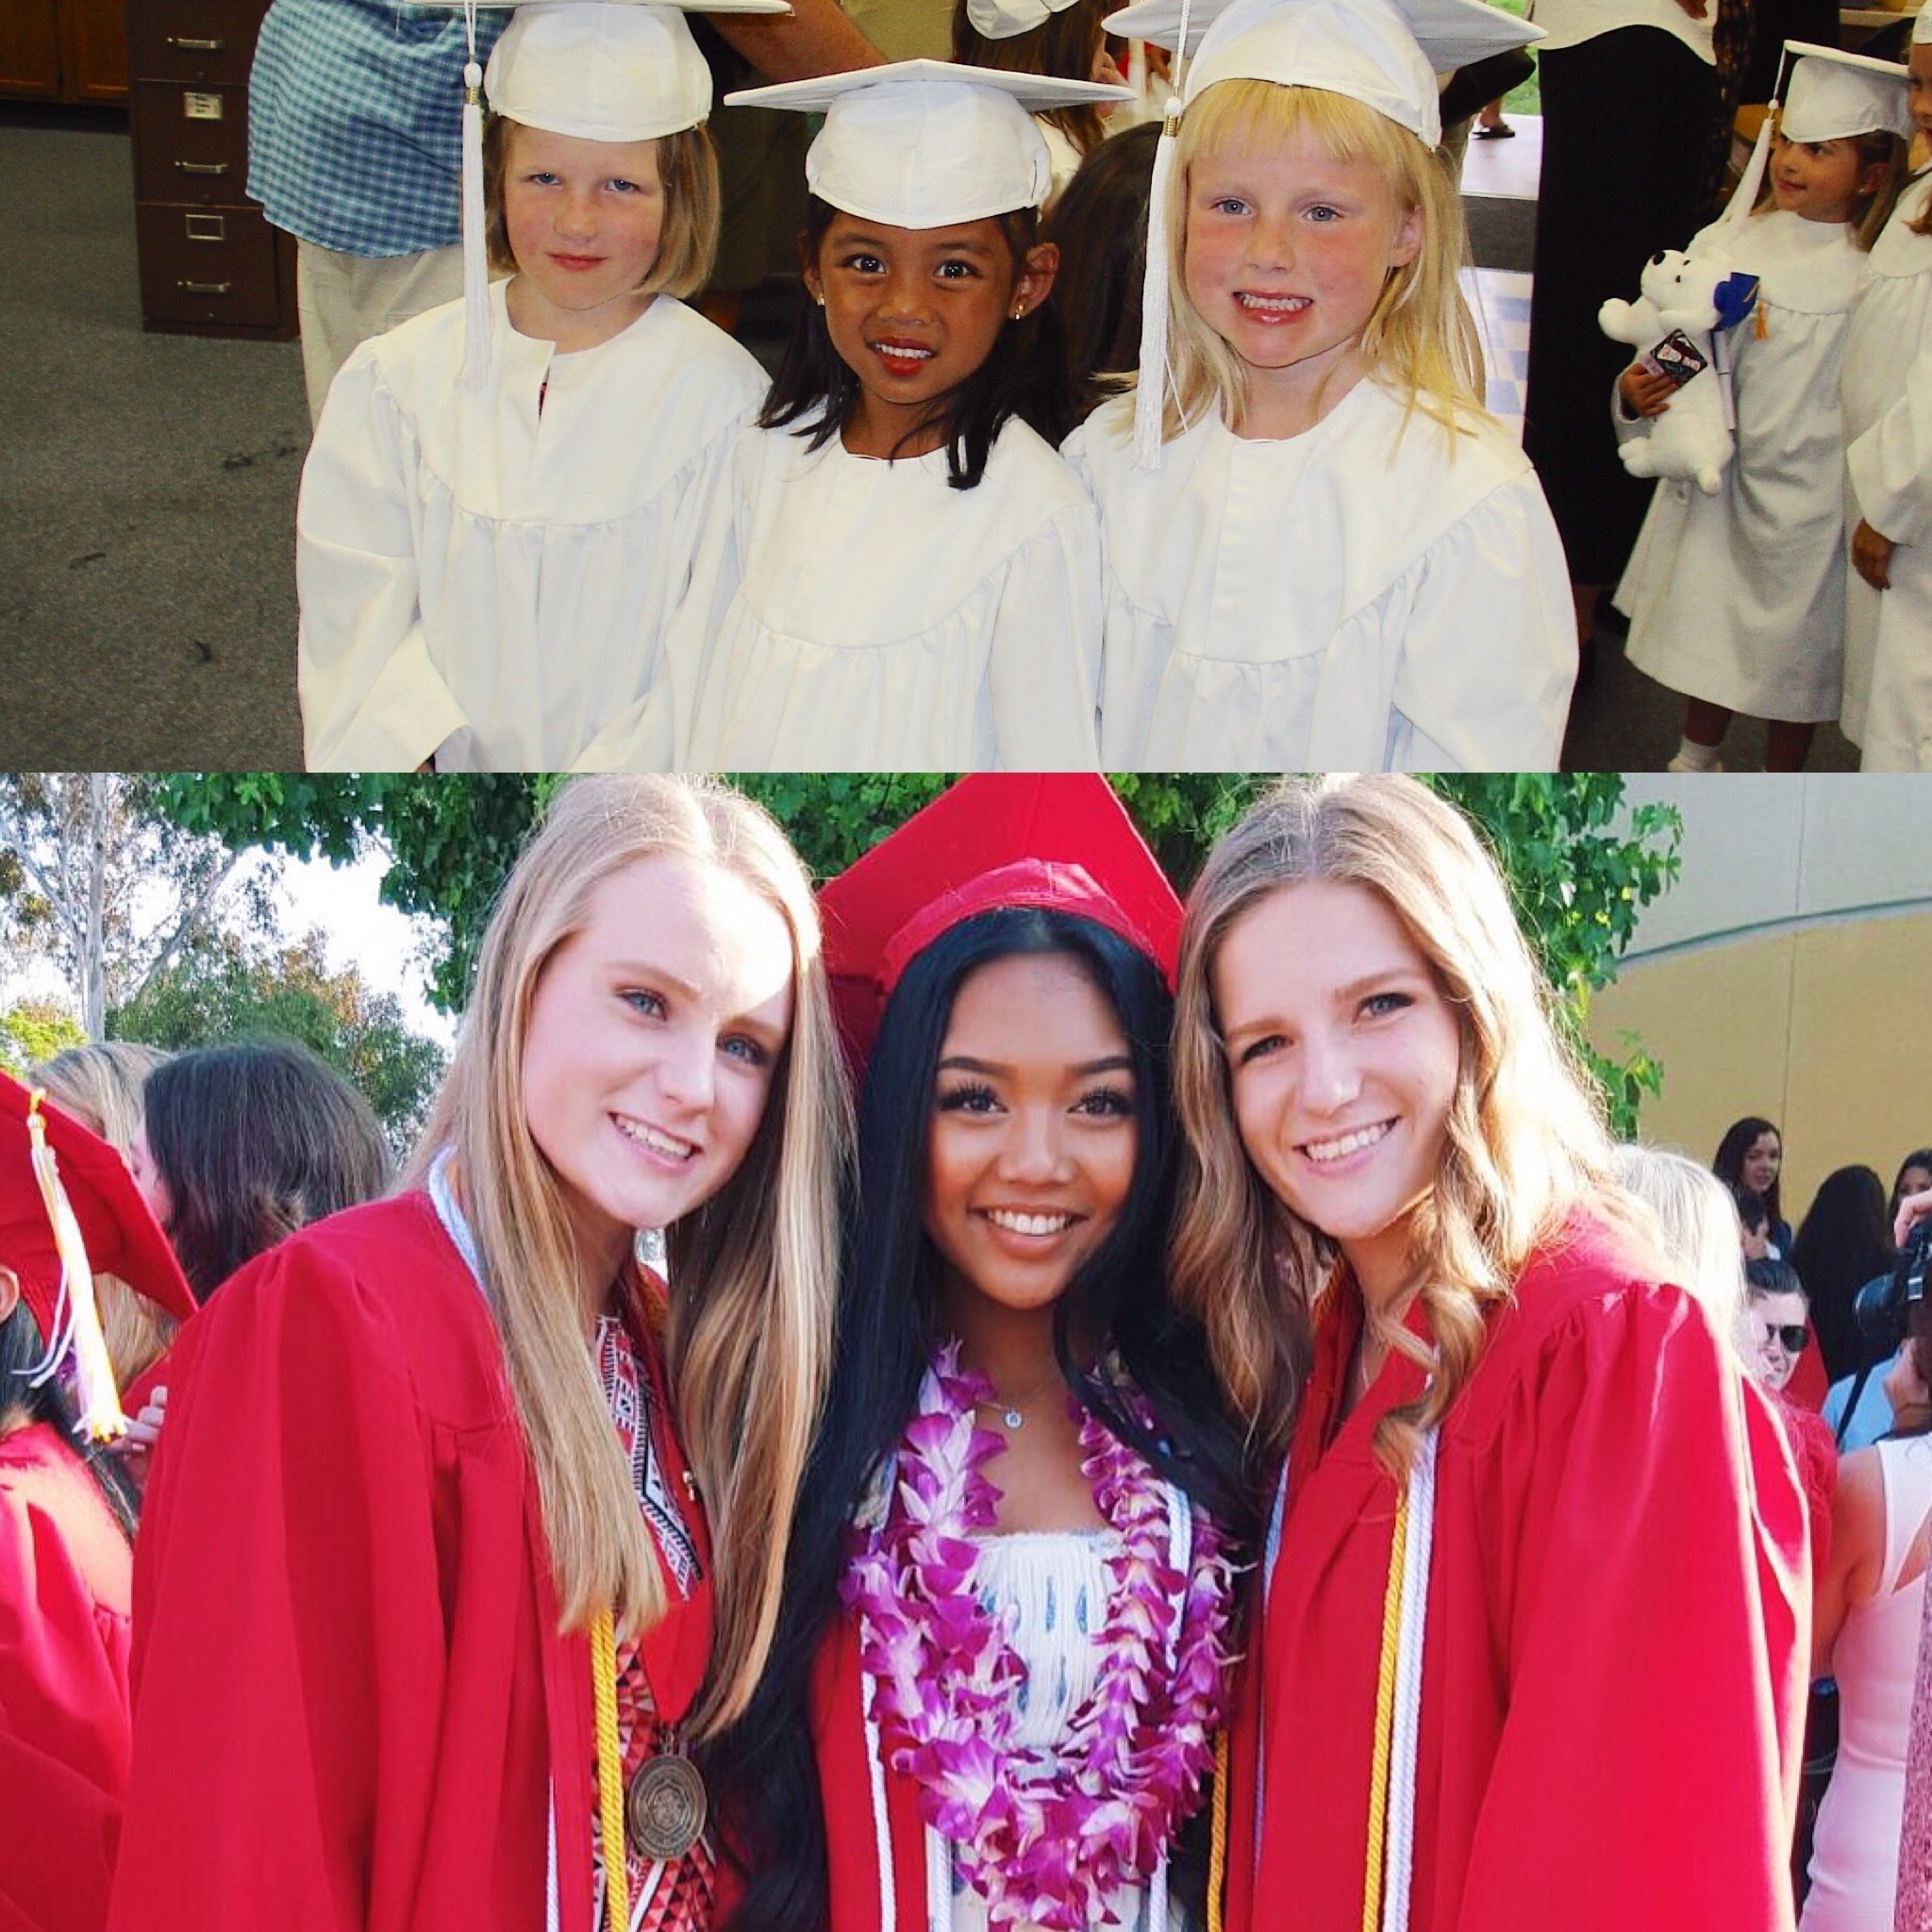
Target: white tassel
{"points": [[1745, 199], [1150, 393], [475, 260], [77, 1321]]}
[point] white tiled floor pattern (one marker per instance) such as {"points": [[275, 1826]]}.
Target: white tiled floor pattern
{"points": [[1501, 300]]}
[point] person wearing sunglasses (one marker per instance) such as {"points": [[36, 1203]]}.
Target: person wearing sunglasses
{"points": [[1777, 1320]]}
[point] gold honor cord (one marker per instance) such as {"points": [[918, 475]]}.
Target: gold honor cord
{"points": [[609, 1773], [1385, 1717], [1216, 1837]]}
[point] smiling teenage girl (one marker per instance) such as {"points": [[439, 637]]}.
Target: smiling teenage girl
{"points": [[1320, 549], [1012, 1671], [901, 572], [1520, 1578], [462, 1527], [487, 554]]}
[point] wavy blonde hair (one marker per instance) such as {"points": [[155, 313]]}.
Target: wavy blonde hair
{"points": [[1696, 1229], [1525, 1144], [755, 1268], [1420, 342], [100, 1086]]}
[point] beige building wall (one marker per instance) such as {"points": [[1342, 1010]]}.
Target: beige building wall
{"points": [[1789, 971]]}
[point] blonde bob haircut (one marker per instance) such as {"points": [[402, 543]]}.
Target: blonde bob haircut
{"points": [[1697, 1230], [1525, 1144], [753, 1270], [100, 1086], [687, 243], [1421, 341]]}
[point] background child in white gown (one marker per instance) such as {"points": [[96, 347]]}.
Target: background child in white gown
{"points": [[1321, 551], [1888, 418], [1738, 599], [487, 560], [902, 574]]}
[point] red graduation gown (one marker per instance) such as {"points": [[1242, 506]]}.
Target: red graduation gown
{"points": [[352, 1699], [1614, 1672], [65, 1576]]}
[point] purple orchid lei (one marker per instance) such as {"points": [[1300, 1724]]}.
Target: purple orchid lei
{"points": [[1044, 1841]]}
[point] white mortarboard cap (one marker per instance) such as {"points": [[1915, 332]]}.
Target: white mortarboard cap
{"points": [[926, 144], [601, 70], [1832, 96], [1005, 20], [1921, 28], [1827, 95], [1383, 52]]}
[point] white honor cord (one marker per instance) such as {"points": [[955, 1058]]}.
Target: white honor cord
{"points": [[1271, 1551], [553, 1897], [1408, 1687], [881, 1823], [1180, 1552], [938, 1882]]}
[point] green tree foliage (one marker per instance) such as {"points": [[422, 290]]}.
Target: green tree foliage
{"points": [[1580, 868], [33, 1030], [235, 991]]}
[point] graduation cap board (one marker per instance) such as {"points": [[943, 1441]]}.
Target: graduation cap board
{"points": [[928, 143], [994, 840], [1386, 53], [1827, 95], [69, 1208], [596, 69], [1005, 20]]}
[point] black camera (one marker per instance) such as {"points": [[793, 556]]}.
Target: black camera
{"points": [[1884, 1304]]}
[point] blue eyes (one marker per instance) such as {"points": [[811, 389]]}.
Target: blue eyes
{"points": [[652, 1006]]}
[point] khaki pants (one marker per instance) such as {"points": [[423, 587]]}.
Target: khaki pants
{"points": [[344, 299]]}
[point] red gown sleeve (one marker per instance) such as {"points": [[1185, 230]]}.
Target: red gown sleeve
{"points": [[1655, 1646], [63, 1728], [289, 1661]]}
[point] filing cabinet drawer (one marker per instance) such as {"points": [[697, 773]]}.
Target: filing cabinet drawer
{"points": [[203, 265], [205, 42], [205, 127]]}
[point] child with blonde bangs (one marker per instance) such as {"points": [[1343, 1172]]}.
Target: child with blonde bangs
{"points": [[456, 1458], [1517, 1485], [503, 500], [1321, 550]]}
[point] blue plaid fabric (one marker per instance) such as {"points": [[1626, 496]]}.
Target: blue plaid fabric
{"points": [[355, 121]]}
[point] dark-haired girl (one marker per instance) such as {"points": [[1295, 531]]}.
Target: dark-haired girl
{"points": [[993, 1694], [901, 572], [1752, 1155]]}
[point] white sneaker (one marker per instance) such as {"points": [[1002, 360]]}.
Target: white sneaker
{"points": [[1680, 764]]}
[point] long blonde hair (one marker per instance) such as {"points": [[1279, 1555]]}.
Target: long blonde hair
{"points": [[1421, 341], [754, 1270], [1525, 1141], [1696, 1229], [100, 1086]]}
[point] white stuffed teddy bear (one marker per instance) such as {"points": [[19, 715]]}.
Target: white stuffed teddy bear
{"points": [[1685, 300]]}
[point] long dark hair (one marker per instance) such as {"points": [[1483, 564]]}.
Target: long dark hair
{"points": [[21, 1402], [1739, 1137], [1024, 375], [1063, 47], [765, 1770], [254, 1141], [1845, 1240], [1100, 223], [1920, 1157]]}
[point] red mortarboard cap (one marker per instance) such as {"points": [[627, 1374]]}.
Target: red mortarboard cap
{"points": [[1061, 841], [122, 1235]]}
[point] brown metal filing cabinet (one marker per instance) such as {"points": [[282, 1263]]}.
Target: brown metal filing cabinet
{"points": [[210, 262]]}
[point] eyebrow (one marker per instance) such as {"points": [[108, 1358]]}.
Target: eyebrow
{"points": [[1365, 983], [965, 1063]]}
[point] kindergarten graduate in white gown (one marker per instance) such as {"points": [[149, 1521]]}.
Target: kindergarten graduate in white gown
{"points": [[1888, 420], [499, 511], [901, 574], [1321, 550], [1738, 599]]}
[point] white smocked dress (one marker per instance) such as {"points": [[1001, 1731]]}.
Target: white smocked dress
{"points": [[848, 613], [1739, 598], [1888, 427], [1365, 597], [489, 581], [1855, 1848]]}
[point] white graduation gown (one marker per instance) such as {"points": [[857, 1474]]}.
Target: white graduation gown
{"points": [[1888, 428], [1349, 598], [1739, 598], [853, 614], [491, 586]]}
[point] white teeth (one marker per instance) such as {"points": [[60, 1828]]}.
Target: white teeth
{"points": [[1273, 305], [651, 1138], [900, 354], [1349, 1144], [1028, 1223]]}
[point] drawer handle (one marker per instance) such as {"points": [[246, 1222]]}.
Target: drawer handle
{"points": [[202, 167], [191, 46], [206, 288]]}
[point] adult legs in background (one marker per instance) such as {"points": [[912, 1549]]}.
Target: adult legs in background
{"points": [[344, 299]]}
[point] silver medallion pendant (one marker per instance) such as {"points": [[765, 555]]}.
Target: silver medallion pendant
{"points": [[664, 1809]]}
